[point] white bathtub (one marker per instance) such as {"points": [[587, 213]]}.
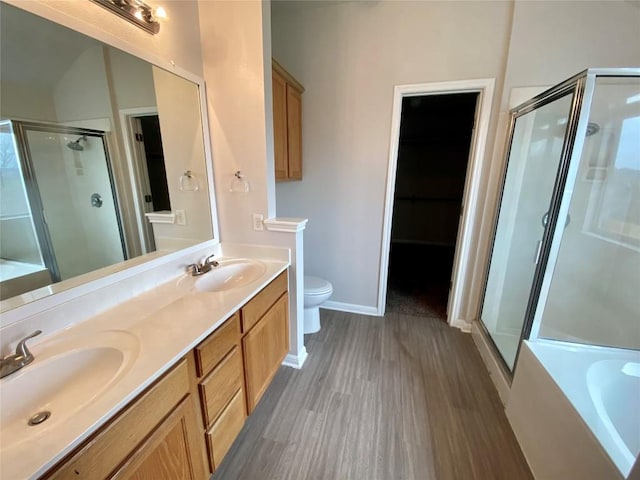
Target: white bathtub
{"points": [[601, 384], [17, 278], [10, 269]]}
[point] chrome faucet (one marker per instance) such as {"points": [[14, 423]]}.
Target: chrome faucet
{"points": [[22, 357], [202, 268]]}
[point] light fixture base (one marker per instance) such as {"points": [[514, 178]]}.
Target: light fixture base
{"points": [[134, 11]]}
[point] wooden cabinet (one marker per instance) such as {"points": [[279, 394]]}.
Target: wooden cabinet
{"points": [[287, 124], [192, 415], [255, 308], [157, 436], [216, 346], [264, 347], [220, 377], [165, 454], [237, 362], [224, 431]]}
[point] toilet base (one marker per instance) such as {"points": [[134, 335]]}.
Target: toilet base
{"points": [[311, 320]]}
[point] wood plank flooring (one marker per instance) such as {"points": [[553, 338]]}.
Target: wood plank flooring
{"points": [[380, 398]]}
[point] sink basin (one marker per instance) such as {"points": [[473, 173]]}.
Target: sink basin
{"points": [[66, 376], [230, 274]]}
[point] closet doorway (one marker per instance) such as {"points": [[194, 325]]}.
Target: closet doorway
{"points": [[433, 174], [145, 155]]}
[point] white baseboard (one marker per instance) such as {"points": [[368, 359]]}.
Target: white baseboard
{"points": [[296, 361], [462, 325], [492, 362], [350, 308]]}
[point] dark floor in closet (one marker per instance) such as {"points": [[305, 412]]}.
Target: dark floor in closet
{"points": [[399, 397], [419, 277]]}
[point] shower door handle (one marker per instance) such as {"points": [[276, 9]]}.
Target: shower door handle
{"points": [[538, 251]]}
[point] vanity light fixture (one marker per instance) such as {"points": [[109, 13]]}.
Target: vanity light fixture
{"points": [[136, 12]]}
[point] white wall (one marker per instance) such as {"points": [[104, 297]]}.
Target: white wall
{"points": [[131, 80], [23, 102], [349, 56], [234, 56], [236, 47], [82, 93]]}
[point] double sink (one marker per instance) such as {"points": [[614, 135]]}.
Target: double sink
{"points": [[72, 372]]}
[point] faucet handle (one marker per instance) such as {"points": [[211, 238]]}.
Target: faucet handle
{"points": [[195, 269], [210, 261], [22, 349]]}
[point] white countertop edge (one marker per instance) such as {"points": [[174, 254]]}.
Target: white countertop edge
{"points": [[42, 456]]}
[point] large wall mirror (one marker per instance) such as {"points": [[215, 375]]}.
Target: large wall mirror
{"points": [[102, 159]]}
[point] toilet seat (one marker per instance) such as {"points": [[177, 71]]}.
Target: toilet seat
{"points": [[316, 286]]}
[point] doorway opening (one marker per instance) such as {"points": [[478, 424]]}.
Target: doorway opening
{"points": [[149, 181], [466, 261], [436, 133], [151, 142]]}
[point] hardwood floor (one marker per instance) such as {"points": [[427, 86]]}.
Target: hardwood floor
{"points": [[380, 398]]}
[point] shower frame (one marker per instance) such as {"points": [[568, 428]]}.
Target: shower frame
{"points": [[583, 85], [20, 129]]}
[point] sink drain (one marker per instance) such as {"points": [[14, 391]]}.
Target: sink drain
{"points": [[38, 418]]}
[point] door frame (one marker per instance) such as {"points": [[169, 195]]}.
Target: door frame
{"points": [[462, 271], [139, 175]]}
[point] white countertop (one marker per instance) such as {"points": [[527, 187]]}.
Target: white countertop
{"points": [[167, 322]]}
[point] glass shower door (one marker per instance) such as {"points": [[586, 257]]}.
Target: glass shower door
{"points": [[71, 181], [532, 166]]}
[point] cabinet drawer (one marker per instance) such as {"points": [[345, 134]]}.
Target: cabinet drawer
{"points": [[258, 305], [220, 385], [221, 436], [217, 345]]}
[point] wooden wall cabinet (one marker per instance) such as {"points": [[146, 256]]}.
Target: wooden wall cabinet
{"points": [[287, 124]]}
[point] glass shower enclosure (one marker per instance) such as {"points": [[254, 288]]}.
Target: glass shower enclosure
{"points": [[565, 257], [68, 193]]}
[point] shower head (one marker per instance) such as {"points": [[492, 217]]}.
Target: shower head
{"points": [[76, 145], [592, 128]]}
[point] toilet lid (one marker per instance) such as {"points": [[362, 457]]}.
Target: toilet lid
{"points": [[316, 286]]}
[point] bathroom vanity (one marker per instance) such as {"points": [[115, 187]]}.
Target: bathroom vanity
{"points": [[141, 370], [188, 371]]}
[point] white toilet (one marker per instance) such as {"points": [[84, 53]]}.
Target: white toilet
{"points": [[316, 292]]}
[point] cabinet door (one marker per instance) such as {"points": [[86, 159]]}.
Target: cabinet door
{"points": [[280, 126], [166, 453], [294, 132], [160, 413], [264, 348]]}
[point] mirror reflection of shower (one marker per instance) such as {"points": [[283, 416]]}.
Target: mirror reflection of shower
{"points": [[76, 144], [21, 262], [592, 128], [61, 169]]}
